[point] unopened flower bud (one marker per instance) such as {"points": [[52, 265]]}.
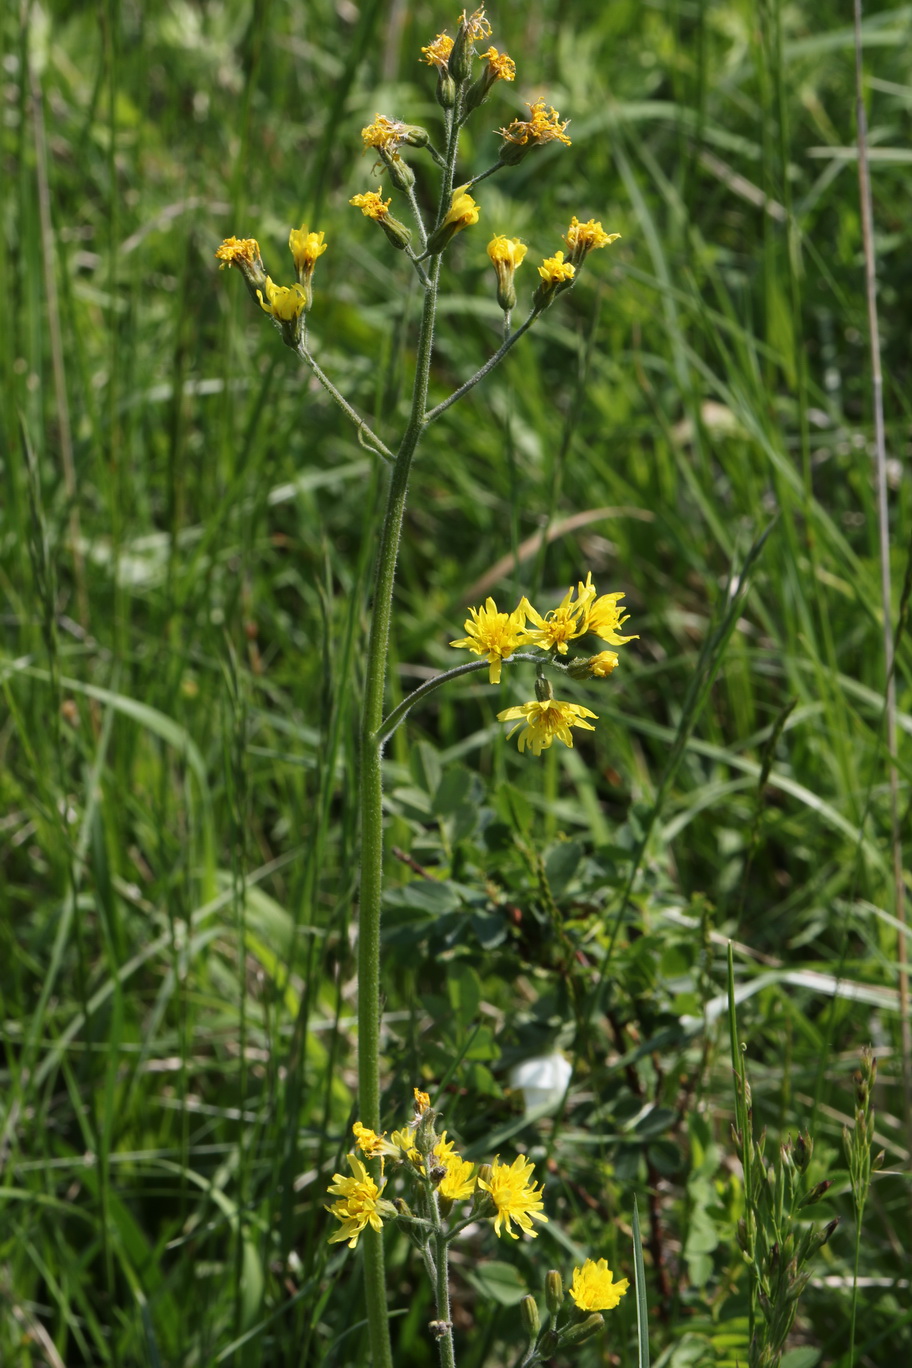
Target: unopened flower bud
{"points": [[446, 90], [554, 1292], [585, 1330], [804, 1148], [402, 177], [548, 1344], [815, 1193], [530, 1317]]}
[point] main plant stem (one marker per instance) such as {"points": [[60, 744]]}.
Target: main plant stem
{"points": [[371, 887]]}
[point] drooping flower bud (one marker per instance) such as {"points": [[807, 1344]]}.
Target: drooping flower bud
{"points": [[463, 212]]}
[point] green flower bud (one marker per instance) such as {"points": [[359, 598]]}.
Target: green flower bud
{"points": [[586, 1330], [554, 1292], [530, 1317]]}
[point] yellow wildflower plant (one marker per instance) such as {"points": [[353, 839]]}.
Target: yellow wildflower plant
{"points": [[462, 213], [494, 634], [359, 1204], [283, 302], [593, 1287], [546, 720], [506, 255], [515, 1197], [583, 238]]}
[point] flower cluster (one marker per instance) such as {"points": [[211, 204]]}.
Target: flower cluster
{"points": [[505, 1194], [496, 635], [285, 304], [435, 1177]]}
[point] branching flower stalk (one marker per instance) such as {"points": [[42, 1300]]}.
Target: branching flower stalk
{"points": [[545, 719]]}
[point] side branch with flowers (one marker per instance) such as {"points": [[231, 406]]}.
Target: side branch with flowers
{"points": [[359, 1205], [447, 1197]]}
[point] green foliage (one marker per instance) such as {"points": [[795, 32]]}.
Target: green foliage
{"points": [[186, 538]]}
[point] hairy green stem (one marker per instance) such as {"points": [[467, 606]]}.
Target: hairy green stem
{"points": [[372, 809]]}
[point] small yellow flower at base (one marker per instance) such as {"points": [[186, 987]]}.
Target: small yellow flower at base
{"points": [[594, 1289], [515, 1196], [546, 721], [359, 1205], [493, 634]]}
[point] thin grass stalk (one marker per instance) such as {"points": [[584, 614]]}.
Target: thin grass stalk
{"points": [[639, 1278], [883, 523]]}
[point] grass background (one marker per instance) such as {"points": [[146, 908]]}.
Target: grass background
{"points": [[185, 549]]}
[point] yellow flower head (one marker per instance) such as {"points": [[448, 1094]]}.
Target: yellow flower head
{"points": [[384, 132], [371, 204], [602, 665], [555, 629], [554, 270], [542, 127], [582, 238], [493, 634], [506, 252], [501, 66], [603, 616], [359, 1204], [422, 1102], [458, 1182], [462, 213], [374, 1145], [594, 1289], [476, 26], [240, 252], [544, 720], [305, 248], [463, 210], [438, 53], [285, 303], [515, 1196]]}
